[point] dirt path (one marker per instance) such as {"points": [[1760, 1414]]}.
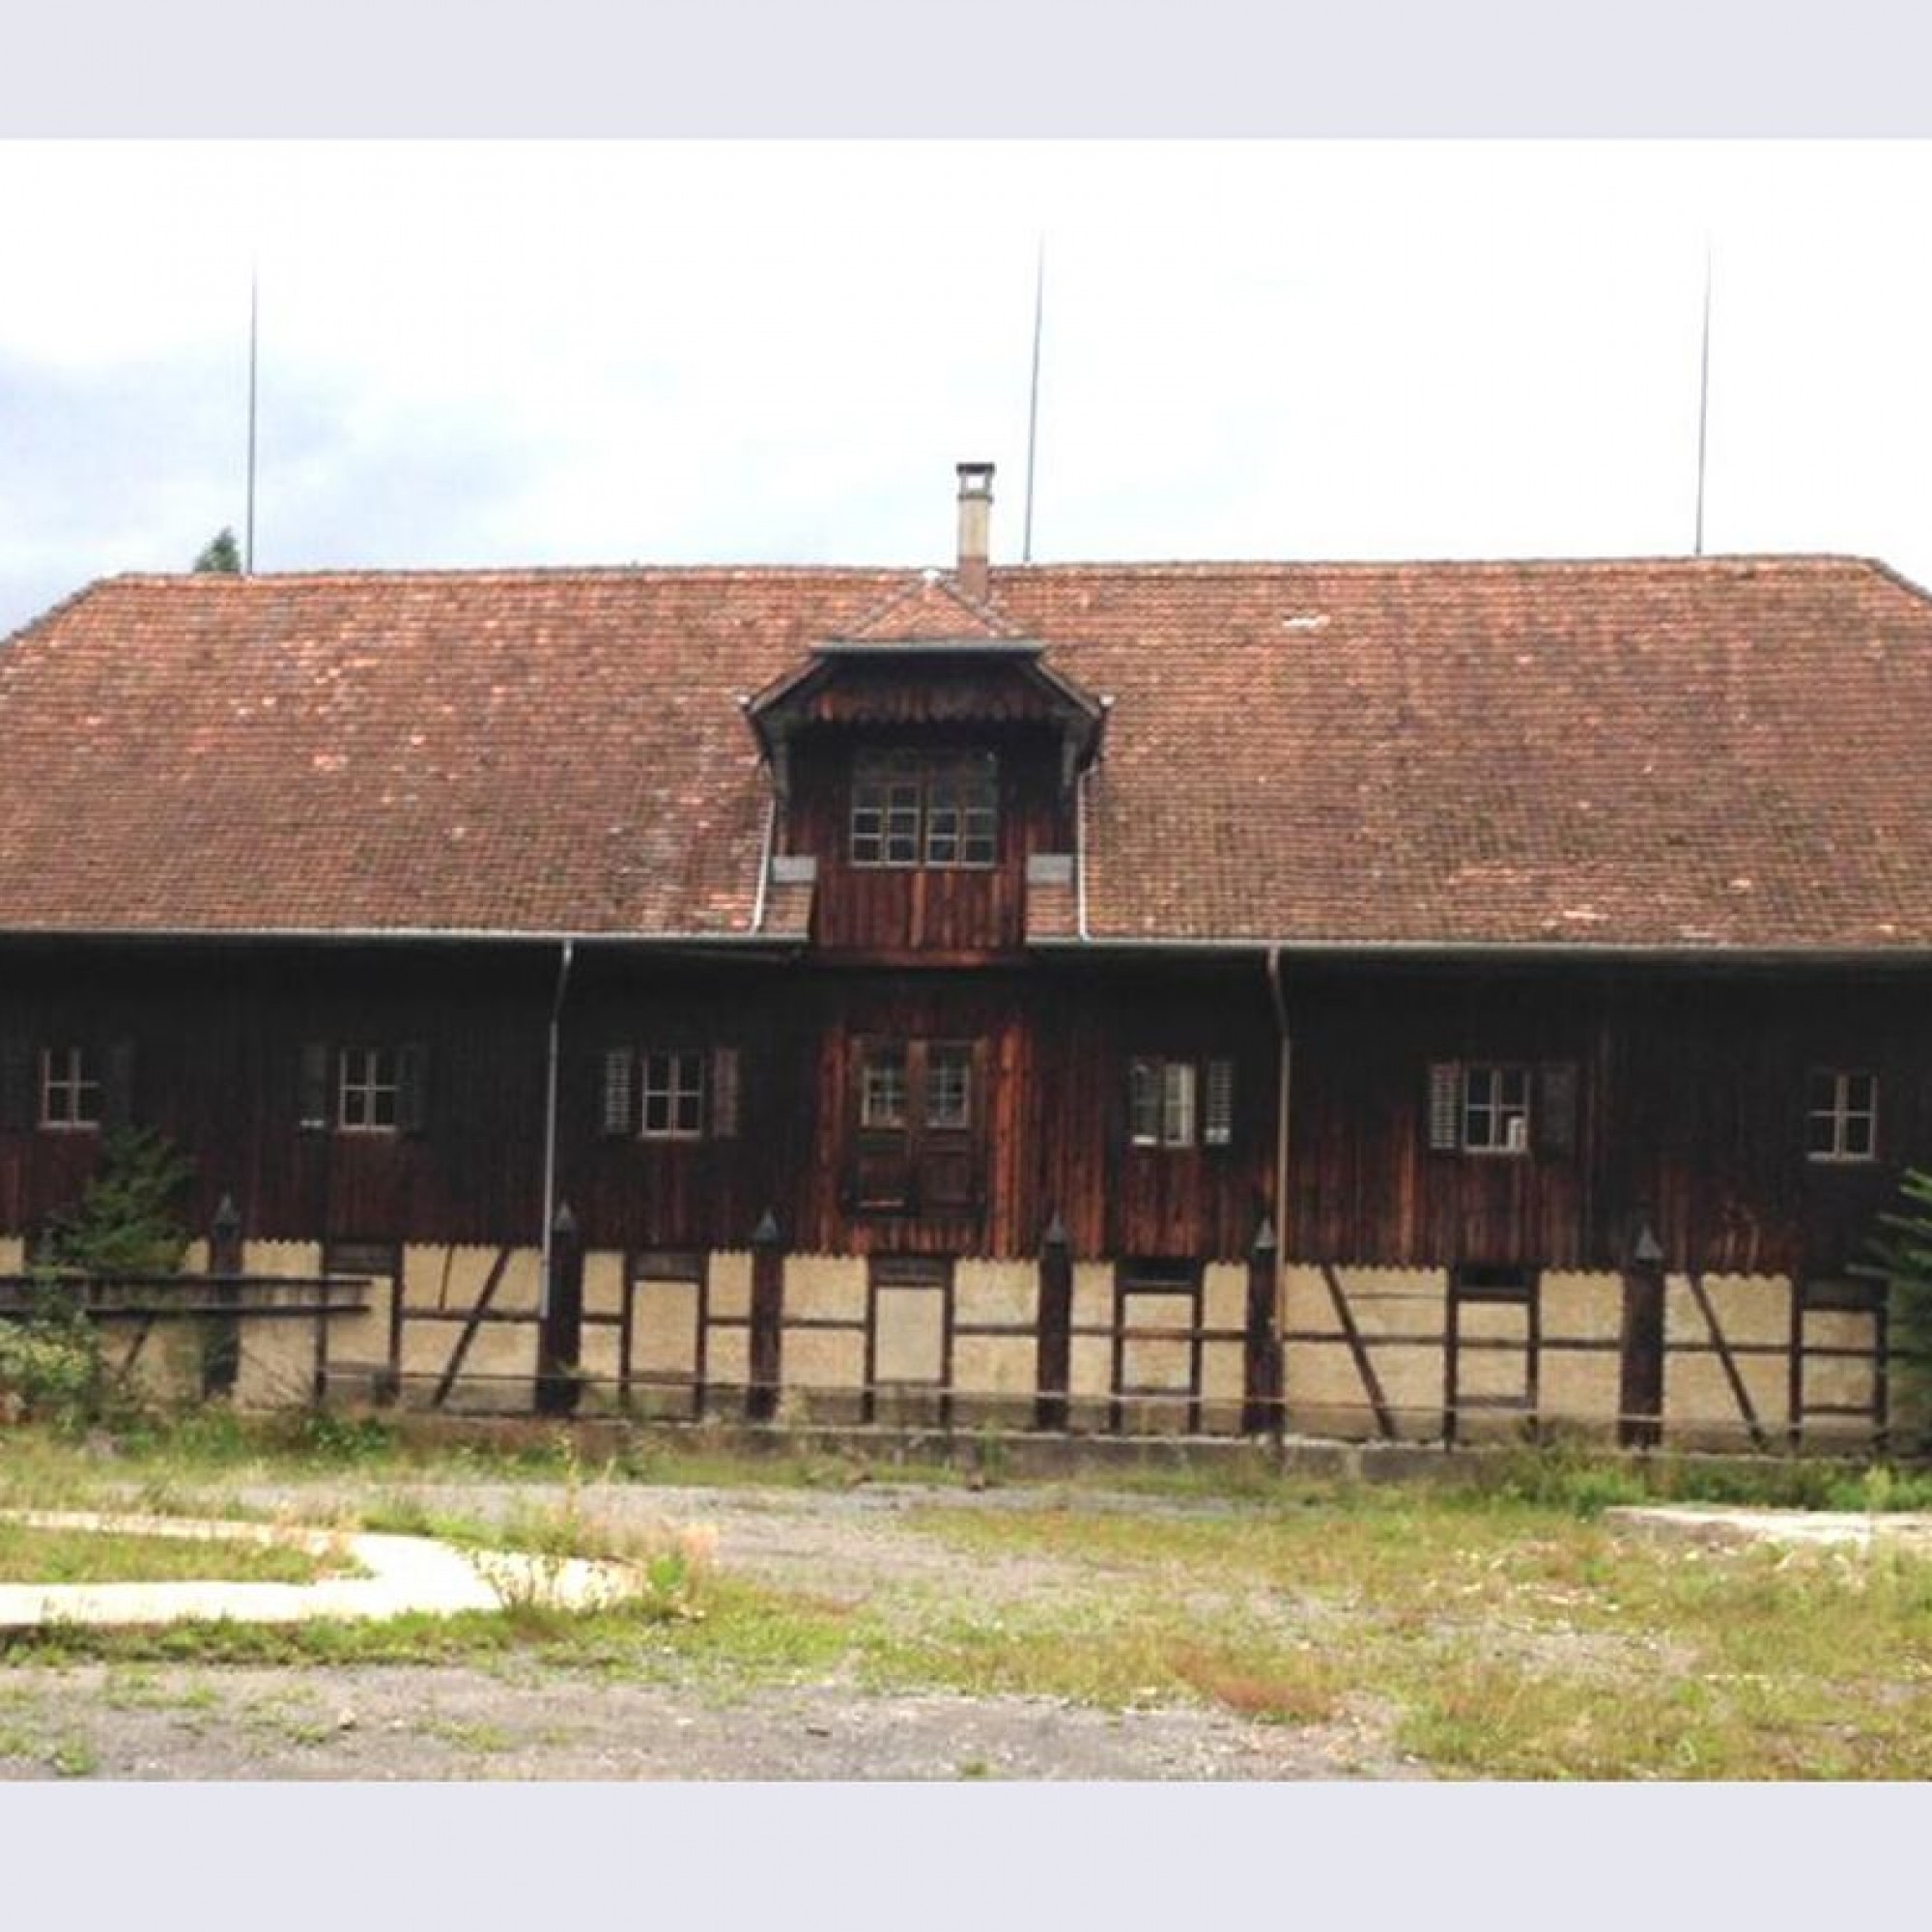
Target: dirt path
{"points": [[525, 1720]]}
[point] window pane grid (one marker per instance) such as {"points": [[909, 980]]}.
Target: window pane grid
{"points": [[1841, 1115], [673, 1095], [367, 1094], [69, 1088], [921, 809], [882, 1099], [1495, 1109], [949, 1087]]}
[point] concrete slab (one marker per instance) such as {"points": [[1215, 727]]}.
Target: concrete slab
{"points": [[1828, 1530], [403, 1573]]}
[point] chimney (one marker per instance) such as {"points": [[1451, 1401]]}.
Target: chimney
{"points": [[976, 517]]}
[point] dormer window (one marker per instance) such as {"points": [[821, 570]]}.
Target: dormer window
{"points": [[931, 808]]}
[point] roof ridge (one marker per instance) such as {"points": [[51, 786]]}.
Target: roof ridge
{"points": [[1468, 565], [926, 588]]}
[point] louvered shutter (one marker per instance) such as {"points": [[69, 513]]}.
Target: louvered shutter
{"points": [[617, 1107], [724, 1092], [17, 1107], [1445, 1106], [1217, 1107], [1555, 1116], [312, 1087], [412, 1088], [117, 1086]]}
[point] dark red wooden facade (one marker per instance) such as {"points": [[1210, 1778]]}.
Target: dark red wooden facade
{"points": [[1690, 1101]]}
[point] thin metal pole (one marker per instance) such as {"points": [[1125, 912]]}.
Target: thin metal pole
{"points": [[1703, 396], [254, 314], [1033, 398]]}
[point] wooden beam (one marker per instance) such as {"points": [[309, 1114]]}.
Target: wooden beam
{"points": [[1727, 1361], [447, 1381], [1366, 1369]]}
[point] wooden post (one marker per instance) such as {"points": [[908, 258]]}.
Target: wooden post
{"points": [[1055, 1327], [221, 1340], [1261, 1385], [761, 1395], [560, 1336], [1640, 1382]]}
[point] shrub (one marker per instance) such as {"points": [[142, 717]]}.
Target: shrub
{"points": [[129, 1218], [1901, 1257], [50, 1365]]}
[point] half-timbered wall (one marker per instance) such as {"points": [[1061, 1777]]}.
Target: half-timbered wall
{"points": [[1429, 1286]]}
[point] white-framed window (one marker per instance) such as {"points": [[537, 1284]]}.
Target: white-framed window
{"points": [[914, 1141], [366, 1090], [883, 1087], [949, 1085], [939, 809], [1495, 1109], [71, 1088], [1162, 1096], [1842, 1115], [673, 1091], [669, 1094]]}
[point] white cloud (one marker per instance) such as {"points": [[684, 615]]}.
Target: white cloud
{"points": [[561, 351]]}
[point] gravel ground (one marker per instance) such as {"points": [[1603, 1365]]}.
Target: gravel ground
{"points": [[530, 1721]]}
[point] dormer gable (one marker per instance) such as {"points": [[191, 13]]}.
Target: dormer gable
{"points": [[927, 657], [921, 759]]}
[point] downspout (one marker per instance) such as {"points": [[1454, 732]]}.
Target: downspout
{"points": [[1280, 1167], [765, 857], [550, 1125], [1080, 851]]}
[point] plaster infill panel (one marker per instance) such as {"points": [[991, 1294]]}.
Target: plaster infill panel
{"points": [[663, 1328], [823, 1360], [604, 1273], [1092, 1295], [1224, 1373], [1224, 1295], [728, 1357], [728, 1285], [994, 1364], [451, 1280], [909, 1335], [824, 1288], [995, 1293], [277, 1368], [1581, 1307], [1753, 1309], [1578, 1385]]}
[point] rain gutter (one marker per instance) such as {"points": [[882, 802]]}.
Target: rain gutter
{"points": [[549, 1124]]}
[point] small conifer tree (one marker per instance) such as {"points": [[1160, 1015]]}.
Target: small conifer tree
{"points": [[221, 554]]}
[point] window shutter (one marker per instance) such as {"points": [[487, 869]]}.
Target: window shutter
{"points": [[1177, 1103], [117, 1086], [724, 1092], [312, 1089], [1445, 1106], [1555, 1115], [617, 1114], [1218, 1115], [17, 1100], [412, 1088]]}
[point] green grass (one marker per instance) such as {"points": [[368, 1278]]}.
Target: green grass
{"points": [[30, 1555], [1490, 1624]]}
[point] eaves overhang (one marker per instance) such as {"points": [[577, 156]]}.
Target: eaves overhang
{"points": [[776, 713]]}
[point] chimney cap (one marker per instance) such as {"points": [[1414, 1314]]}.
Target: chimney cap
{"points": [[976, 479]]}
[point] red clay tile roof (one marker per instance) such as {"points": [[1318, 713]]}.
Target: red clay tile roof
{"points": [[932, 608], [1708, 754]]}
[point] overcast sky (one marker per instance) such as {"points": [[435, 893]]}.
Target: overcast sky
{"points": [[774, 351]]}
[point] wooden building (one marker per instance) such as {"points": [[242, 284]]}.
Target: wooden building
{"points": [[1407, 1000]]}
